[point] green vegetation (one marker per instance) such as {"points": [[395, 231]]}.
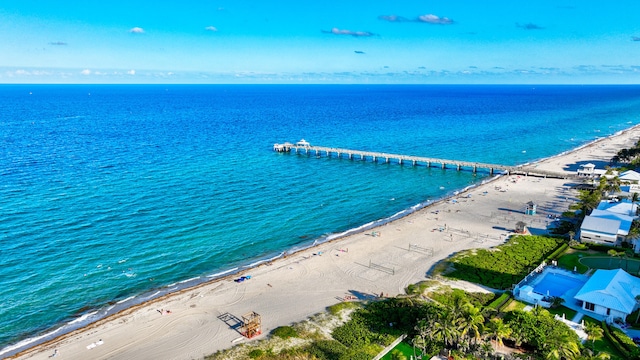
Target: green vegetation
{"points": [[568, 313], [629, 156], [339, 307], [403, 348], [629, 348], [419, 288], [256, 353], [284, 332], [614, 338], [465, 325], [571, 260], [500, 302], [505, 265]]}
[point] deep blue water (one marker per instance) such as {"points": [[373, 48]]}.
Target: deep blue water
{"points": [[107, 191]]}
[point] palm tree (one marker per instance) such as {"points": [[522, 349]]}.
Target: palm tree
{"points": [[589, 200], [568, 350], [425, 330], [589, 355], [444, 328], [499, 330], [613, 185], [594, 332], [470, 323]]}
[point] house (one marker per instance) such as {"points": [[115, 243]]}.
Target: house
{"points": [[625, 221], [589, 171], [630, 177], [624, 207], [610, 293], [609, 223], [599, 230]]}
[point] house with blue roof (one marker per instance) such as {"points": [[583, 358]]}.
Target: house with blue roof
{"points": [[622, 207], [629, 177], [611, 293], [610, 223]]}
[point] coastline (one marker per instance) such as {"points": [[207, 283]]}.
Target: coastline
{"points": [[121, 330]]}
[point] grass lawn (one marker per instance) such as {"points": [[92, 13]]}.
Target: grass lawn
{"points": [[514, 305], [602, 345], [570, 260], [568, 313], [403, 347]]}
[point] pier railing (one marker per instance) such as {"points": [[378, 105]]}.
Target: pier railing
{"points": [[318, 151]]}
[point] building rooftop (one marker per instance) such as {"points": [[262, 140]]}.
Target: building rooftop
{"points": [[613, 289]]}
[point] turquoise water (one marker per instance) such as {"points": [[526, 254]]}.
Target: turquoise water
{"points": [[110, 195], [553, 284]]}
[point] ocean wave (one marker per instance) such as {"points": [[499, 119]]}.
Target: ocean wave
{"points": [[220, 274]]}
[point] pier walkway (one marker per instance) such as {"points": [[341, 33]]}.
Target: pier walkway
{"points": [[303, 147]]}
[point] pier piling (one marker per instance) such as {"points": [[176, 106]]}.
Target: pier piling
{"points": [[416, 160]]}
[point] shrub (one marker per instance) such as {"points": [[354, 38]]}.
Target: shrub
{"points": [[624, 340], [419, 288], [256, 353], [505, 265], [559, 251], [337, 308], [284, 332], [352, 334], [614, 341], [500, 301], [327, 349]]}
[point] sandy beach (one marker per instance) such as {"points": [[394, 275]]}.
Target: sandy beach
{"points": [[201, 320]]}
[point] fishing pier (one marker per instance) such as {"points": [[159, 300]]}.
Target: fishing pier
{"points": [[303, 147]]}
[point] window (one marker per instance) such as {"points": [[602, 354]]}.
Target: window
{"points": [[608, 311], [589, 306]]}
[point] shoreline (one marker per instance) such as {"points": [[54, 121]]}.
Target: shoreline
{"points": [[271, 265]]}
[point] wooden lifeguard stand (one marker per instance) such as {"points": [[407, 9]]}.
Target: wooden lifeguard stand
{"points": [[251, 324], [531, 208]]}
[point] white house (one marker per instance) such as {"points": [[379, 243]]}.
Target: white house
{"points": [[610, 223], [630, 177], [630, 182], [599, 230], [611, 293], [625, 220], [589, 171]]}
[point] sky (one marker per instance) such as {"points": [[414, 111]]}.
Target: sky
{"points": [[320, 42]]}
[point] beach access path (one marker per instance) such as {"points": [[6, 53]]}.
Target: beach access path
{"points": [[204, 319]]}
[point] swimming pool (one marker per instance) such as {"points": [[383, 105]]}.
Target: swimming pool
{"points": [[554, 284]]}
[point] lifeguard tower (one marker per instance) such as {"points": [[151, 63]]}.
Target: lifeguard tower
{"points": [[531, 208], [251, 324]]}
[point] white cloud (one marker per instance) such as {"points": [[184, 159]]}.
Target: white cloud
{"points": [[211, 28], [85, 72], [136, 30], [434, 19], [131, 72]]}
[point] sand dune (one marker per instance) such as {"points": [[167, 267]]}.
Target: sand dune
{"points": [[203, 319]]}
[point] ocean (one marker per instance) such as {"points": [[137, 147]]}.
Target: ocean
{"points": [[114, 194]]}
